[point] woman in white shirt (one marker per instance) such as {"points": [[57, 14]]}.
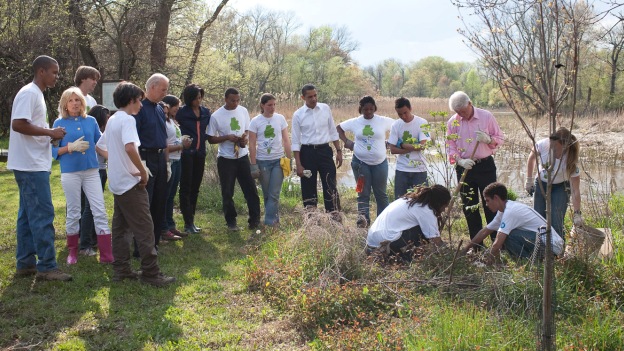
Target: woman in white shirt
{"points": [[565, 173], [369, 163], [411, 219], [268, 143]]}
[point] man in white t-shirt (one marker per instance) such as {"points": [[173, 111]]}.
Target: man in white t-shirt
{"points": [[127, 178], [228, 127], [407, 140], [86, 79], [30, 159], [515, 225]]}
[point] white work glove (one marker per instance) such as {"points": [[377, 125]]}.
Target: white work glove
{"points": [[255, 171], [578, 218], [79, 145], [149, 173], [483, 137], [168, 170], [529, 185], [465, 163]]}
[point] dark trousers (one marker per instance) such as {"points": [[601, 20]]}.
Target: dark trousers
{"points": [[481, 175], [131, 217], [156, 188], [190, 180], [320, 161], [231, 170], [413, 235], [87, 227]]}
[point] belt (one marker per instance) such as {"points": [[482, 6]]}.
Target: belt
{"points": [[151, 150], [316, 146], [483, 159]]}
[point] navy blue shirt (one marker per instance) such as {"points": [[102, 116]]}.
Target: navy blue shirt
{"points": [[194, 127], [151, 127]]}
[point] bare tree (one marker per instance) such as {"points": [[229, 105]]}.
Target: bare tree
{"points": [[84, 40], [532, 49], [158, 48], [613, 37], [198, 41]]}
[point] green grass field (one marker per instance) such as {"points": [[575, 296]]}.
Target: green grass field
{"points": [[305, 286]]}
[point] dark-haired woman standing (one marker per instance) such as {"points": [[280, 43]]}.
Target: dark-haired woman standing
{"points": [[193, 119], [369, 163], [413, 218]]}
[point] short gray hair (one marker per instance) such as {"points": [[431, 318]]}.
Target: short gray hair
{"points": [[155, 79], [458, 100]]}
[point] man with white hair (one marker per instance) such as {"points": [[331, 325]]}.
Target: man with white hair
{"points": [[473, 135], [152, 130]]}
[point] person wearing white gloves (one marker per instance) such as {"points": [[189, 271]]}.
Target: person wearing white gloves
{"points": [[565, 173], [473, 136], [80, 171]]}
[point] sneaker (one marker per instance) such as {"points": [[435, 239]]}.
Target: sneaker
{"points": [[118, 277], [158, 281], [190, 230], [25, 272], [87, 252], [54, 274], [169, 236], [196, 228], [254, 226], [178, 233], [233, 228]]}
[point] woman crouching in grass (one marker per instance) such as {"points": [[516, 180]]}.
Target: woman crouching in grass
{"points": [[410, 220]]}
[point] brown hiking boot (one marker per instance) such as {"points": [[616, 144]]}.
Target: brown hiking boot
{"points": [[159, 281], [118, 277], [25, 272], [54, 274]]}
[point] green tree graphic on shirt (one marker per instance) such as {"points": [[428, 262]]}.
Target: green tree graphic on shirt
{"points": [[234, 126], [368, 132], [407, 136], [269, 133]]}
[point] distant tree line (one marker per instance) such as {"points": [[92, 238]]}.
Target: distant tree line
{"points": [[257, 51]]}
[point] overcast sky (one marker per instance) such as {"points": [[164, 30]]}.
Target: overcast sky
{"points": [[406, 30]]}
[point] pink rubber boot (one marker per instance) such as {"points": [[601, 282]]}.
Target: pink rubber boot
{"points": [[72, 245], [105, 247]]}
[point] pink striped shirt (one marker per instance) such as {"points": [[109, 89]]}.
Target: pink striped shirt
{"points": [[461, 136]]}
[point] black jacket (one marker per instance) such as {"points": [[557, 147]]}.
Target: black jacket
{"points": [[194, 127]]}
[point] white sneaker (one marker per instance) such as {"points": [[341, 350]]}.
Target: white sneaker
{"points": [[88, 252]]}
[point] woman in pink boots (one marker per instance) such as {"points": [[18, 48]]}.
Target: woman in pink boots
{"points": [[79, 170]]}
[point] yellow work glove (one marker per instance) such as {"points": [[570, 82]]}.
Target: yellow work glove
{"points": [[286, 167]]}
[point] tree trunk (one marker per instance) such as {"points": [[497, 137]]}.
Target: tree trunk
{"points": [[84, 44], [198, 42], [158, 50]]}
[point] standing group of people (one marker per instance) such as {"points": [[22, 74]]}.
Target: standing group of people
{"points": [[154, 143]]}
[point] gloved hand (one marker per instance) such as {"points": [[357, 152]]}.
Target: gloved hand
{"points": [[466, 163], [78, 145], [483, 137], [149, 173], [529, 185], [286, 166], [399, 143], [186, 141], [578, 218], [168, 170], [255, 171]]}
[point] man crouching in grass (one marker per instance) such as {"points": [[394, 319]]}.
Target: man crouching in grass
{"points": [[127, 178], [516, 225]]}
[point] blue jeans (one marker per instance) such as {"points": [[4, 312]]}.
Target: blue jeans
{"points": [[271, 177], [559, 200], [520, 243], [35, 217], [375, 178], [87, 228], [404, 181], [172, 190]]}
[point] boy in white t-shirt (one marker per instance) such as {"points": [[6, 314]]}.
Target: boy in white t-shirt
{"points": [[86, 79], [127, 178], [228, 127], [407, 140], [516, 225]]}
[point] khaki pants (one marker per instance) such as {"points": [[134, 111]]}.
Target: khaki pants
{"points": [[132, 216]]}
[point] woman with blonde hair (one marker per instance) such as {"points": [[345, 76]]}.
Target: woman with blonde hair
{"points": [[80, 171], [566, 177]]}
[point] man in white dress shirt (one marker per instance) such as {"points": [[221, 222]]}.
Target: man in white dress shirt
{"points": [[313, 128]]}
